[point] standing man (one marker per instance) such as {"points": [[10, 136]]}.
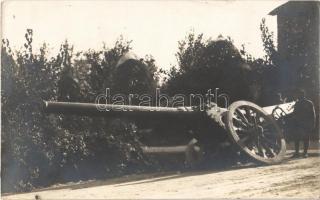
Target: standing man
{"points": [[303, 121]]}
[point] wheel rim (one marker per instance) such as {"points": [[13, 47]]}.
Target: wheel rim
{"points": [[255, 132]]}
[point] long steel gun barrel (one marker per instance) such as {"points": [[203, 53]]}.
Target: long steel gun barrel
{"points": [[110, 110]]}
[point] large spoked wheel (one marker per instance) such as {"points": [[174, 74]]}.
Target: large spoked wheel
{"points": [[255, 132]]}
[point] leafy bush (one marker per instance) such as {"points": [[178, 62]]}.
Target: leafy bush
{"points": [[40, 149]]}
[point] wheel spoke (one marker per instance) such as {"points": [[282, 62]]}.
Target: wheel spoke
{"points": [[255, 121], [269, 142], [260, 149], [242, 116], [265, 123], [241, 123], [248, 115], [269, 151], [268, 127], [262, 120], [240, 130]]}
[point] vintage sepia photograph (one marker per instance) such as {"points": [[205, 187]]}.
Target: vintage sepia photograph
{"points": [[160, 99]]}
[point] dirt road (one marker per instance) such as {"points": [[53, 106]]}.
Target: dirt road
{"points": [[298, 178]]}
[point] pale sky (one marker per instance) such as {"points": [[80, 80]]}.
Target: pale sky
{"points": [[154, 26]]}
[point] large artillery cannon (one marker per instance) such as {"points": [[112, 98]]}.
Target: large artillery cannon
{"points": [[249, 126]]}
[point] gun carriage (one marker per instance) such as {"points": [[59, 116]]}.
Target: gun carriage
{"points": [[250, 127]]}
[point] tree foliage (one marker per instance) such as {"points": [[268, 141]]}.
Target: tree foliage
{"points": [[209, 64]]}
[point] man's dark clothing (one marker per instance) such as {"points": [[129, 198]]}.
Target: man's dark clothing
{"points": [[303, 123], [304, 114]]}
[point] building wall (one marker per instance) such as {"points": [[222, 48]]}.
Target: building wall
{"points": [[298, 46]]}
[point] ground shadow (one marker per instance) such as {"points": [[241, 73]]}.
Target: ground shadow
{"points": [[152, 177], [136, 179], [162, 176]]}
